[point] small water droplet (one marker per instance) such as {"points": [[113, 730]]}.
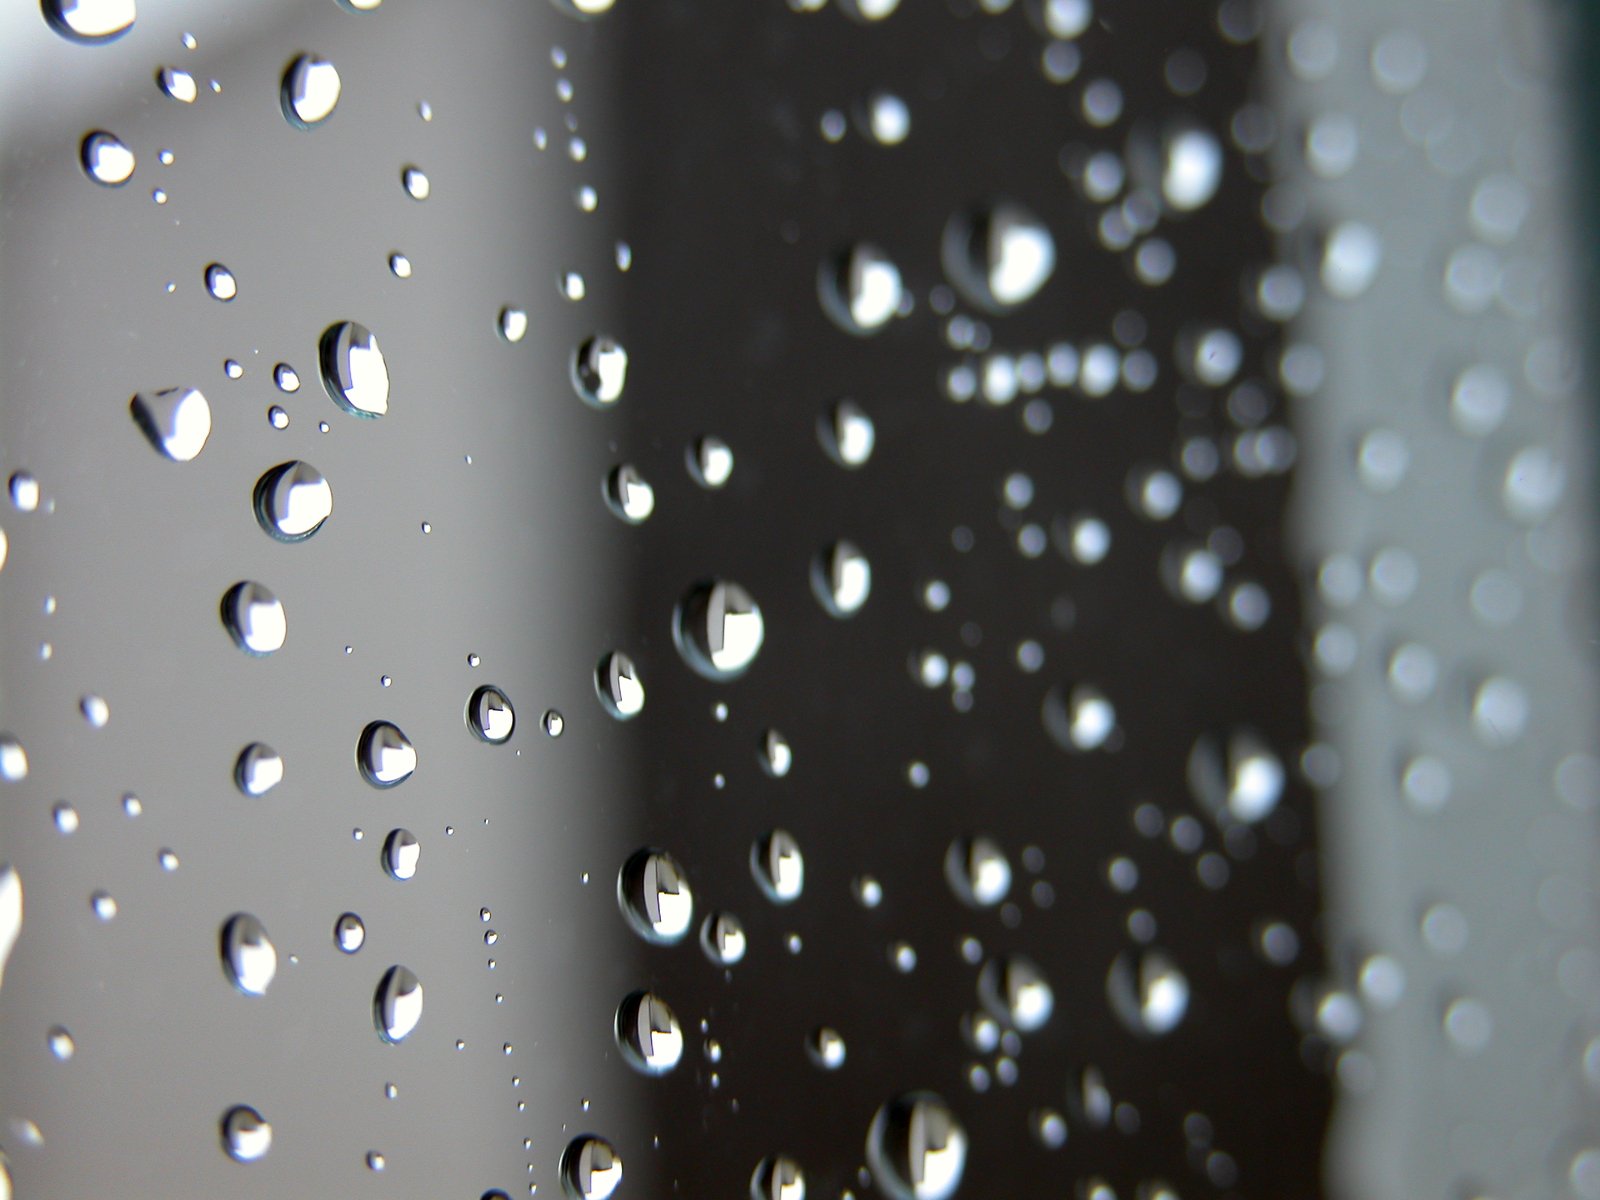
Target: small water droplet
{"points": [[1015, 992], [629, 495], [401, 854], [776, 756], [648, 1034], [778, 1177], [718, 629], [292, 500], [722, 937], [220, 282], [655, 896], [64, 816], [246, 1135], [10, 913], [619, 686], [61, 1043], [1245, 781], [998, 257], [841, 578], [778, 866], [1148, 993], [861, 289], [310, 91], [232, 369], [349, 932], [847, 434], [354, 371], [710, 462], [178, 84], [168, 860], [258, 769], [95, 710], [397, 1004], [916, 1148], [400, 265], [591, 1168], [1080, 719], [490, 715], [825, 1046], [885, 119], [249, 958], [254, 618], [385, 755], [104, 905], [599, 367], [277, 417], [978, 871], [513, 324], [554, 723], [106, 159], [24, 492], [572, 285], [416, 183]]}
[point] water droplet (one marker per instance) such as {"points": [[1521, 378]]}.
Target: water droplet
{"points": [[292, 500], [397, 1004], [416, 183], [490, 715], [513, 324], [860, 289], [221, 283], [401, 854], [599, 367], [1148, 993], [998, 257], [246, 1136], [885, 119], [825, 1046], [978, 871], [353, 369], [103, 904], [710, 462], [869, 10], [254, 618], [248, 956], [648, 1034], [13, 759], [554, 723], [718, 629], [722, 938], [841, 577], [655, 896], [24, 492], [90, 20], [776, 756], [1081, 719], [847, 434], [1245, 782], [64, 816], [178, 84], [778, 866], [310, 91], [61, 1043], [1015, 992], [349, 932], [400, 265], [1351, 256], [10, 913], [106, 158], [916, 1148], [591, 1168], [95, 710], [258, 769], [618, 685], [376, 1161], [778, 1177], [385, 755], [1189, 163], [629, 495]]}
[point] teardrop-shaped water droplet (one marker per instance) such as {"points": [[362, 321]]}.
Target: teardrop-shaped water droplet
{"points": [[916, 1148], [861, 289], [998, 257], [722, 938], [221, 283], [385, 755], [655, 896], [978, 871], [710, 462], [354, 370], [778, 1177], [629, 495], [618, 685], [91, 20], [490, 715], [778, 866], [258, 769], [718, 629], [401, 854], [177, 84], [1080, 719], [62, 1047], [1014, 991], [310, 91], [591, 1168], [397, 1004], [177, 421], [825, 1047], [248, 956], [246, 1136], [1242, 782], [1148, 992], [292, 500], [106, 158], [841, 577], [349, 932], [847, 434], [254, 618], [10, 913], [648, 1034], [776, 756]]}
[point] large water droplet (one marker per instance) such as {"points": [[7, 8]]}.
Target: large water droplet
{"points": [[254, 618], [401, 854], [629, 495], [655, 896], [778, 1177], [349, 932], [1243, 782], [999, 256], [617, 682], [847, 434], [916, 1148], [841, 577], [385, 755], [248, 956], [91, 20], [490, 715], [718, 629], [106, 158], [310, 91], [258, 769], [648, 1033], [860, 289], [354, 370], [978, 871], [591, 1168], [177, 421], [10, 913], [397, 1004], [292, 500], [1015, 991], [722, 938], [600, 370], [1147, 992], [778, 866], [246, 1136]]}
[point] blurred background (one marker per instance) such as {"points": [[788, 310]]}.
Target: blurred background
{"points": [[873, 598]]}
